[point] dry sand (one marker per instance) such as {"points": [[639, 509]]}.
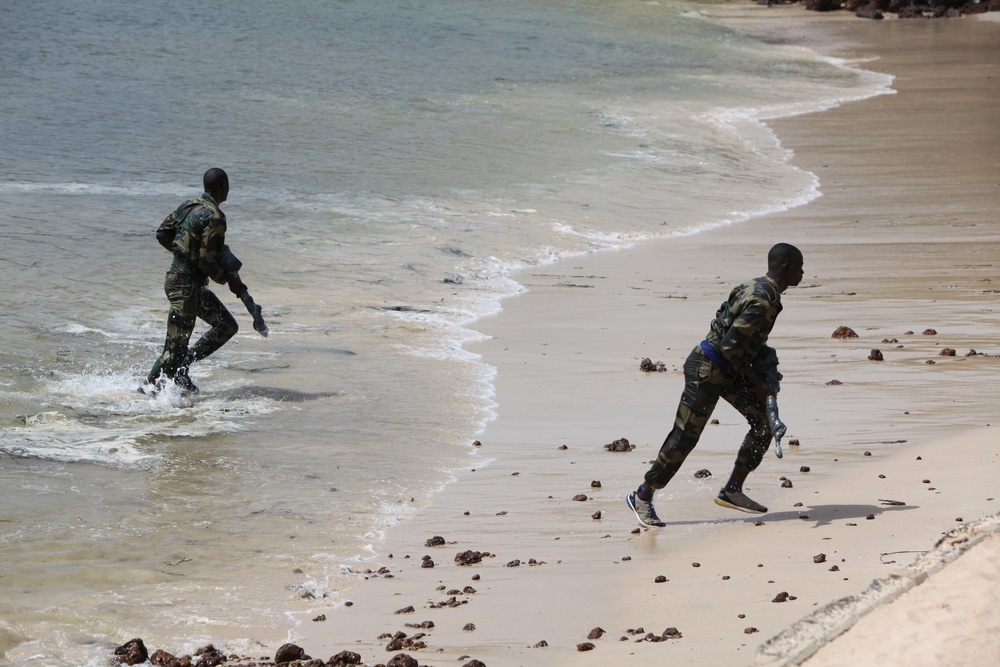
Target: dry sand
{"points": [[904, 239]]}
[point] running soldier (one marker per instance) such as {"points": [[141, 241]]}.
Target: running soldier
{"points": [[733, 363], [195, 234]]}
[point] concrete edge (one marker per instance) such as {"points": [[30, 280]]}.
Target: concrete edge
{"points": [[804, 638]]}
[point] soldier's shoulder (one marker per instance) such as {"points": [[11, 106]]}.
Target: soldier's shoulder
{"points": [[765, 288]]}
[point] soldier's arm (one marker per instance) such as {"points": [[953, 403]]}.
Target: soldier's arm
{"points": [[213, 241], [744, 337], [166, 232]]}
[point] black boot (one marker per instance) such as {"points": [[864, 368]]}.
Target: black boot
{"points": [[182, 380]]}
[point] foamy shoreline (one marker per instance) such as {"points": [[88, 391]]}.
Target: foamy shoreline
{"points": [[886, 252]]}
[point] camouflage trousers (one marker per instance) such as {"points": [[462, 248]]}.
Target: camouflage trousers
{"points": [[704, 385], [189, 301]]}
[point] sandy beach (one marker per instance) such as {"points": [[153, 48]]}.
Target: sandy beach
{"points": [[903, 248]]}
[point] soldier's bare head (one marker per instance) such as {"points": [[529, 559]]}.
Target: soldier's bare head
{"points": [[784, 264], [217, 184]]}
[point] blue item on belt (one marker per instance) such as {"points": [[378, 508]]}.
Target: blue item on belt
{"points": [[715, 356]]}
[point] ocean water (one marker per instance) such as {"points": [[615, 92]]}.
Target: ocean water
{"points": [[393, 164]]}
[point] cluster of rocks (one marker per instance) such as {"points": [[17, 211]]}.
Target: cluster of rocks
{"points": [[844, 332], [669, 633], [134, 652], [647, 366], [904, 9], [470, 557], [619, 445]]}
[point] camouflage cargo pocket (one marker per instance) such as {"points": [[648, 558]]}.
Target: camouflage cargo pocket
{"points": [[182, 292]]}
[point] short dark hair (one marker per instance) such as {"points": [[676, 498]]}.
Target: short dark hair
{"points": [[215, 179], [783, 253]]}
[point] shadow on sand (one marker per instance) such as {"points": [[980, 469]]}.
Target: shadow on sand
{"points": [[279, 394]]}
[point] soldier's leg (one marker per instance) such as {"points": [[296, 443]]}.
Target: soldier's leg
{"points": [[744, 397], [703, 383], [183, 295], [223, 324]]}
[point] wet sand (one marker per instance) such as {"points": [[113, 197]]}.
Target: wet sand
{"points": [[903, 241]]}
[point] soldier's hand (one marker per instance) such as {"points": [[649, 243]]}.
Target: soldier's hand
{"points": [[778, 430]]}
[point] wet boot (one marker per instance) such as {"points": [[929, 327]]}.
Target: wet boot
{"points": [[182, 380]]}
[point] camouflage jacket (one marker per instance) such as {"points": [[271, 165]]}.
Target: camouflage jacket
{"points": [[742, 324], [196, 233]]}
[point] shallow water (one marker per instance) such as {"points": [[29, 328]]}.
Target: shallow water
{"points": [[392, 165]]}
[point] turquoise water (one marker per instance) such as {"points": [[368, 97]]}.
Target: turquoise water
{"points": [[393, 164]]}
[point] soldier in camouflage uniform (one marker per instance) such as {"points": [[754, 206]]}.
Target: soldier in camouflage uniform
{"points": [[735, 364], [195, 234]]}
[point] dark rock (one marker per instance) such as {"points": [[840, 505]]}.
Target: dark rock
{"points": [[427, 562], [647, 366], [596, 633], [840, 332], [947, 352], [804, 469], [580, 497], [344, 658], [450, 602], [470, 557], [541, 644], [585, 646], [435, 541], [787, 484], [671, 633], [782, 597], [469, 627], [422, 625], [161, 658], [132, 652], [403, 660], [927, 332], [620, 445], [474, 663], [834, 383], [401, 641], [703, 473], [596, 484], [876, 355], [514, 563], [750, 631], [819, 558], [321, 617], [660, 579], [405, 610], [943, 12], [596, 515], [288, 653], [822, 5], [871, 11]]}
